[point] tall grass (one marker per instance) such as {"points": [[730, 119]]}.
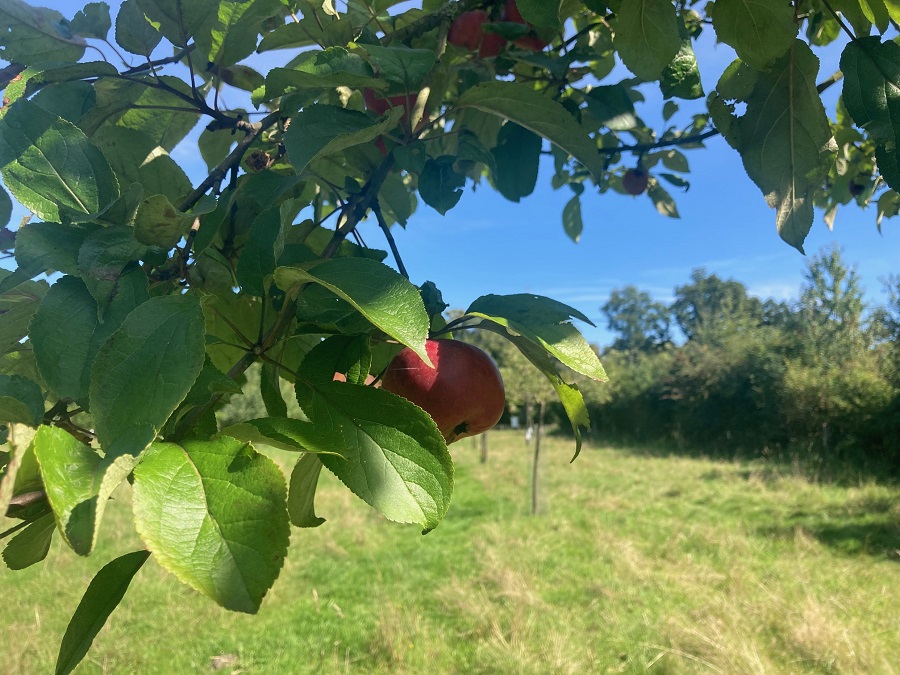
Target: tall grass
{"points": [[636, 563]]}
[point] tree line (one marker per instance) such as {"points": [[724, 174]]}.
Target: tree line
{"points": [[718, 371]]}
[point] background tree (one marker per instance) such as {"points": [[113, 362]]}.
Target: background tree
{"points": [[639, 323]]}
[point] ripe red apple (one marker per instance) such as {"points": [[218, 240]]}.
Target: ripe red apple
{"points": [[491, 45], [380, 104], [635, 181], [467, 30], [463, 393], [530, 41]]}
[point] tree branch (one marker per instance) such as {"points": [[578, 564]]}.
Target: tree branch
{"points": [[9, 73], [150, 65], [233, 160], [376, 209], [834, 78], [445, 13]]}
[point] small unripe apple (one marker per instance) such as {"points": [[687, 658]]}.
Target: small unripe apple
{"points": [[463, 393], [635, 181]]}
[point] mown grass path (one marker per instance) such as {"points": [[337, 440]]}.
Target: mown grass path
{"points": [[635, 564]]}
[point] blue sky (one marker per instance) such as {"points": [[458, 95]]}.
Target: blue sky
{"points": [[489, 245]]}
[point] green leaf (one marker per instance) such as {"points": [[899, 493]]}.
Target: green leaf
{"points": [[572, 222], [103, 595], [179, 21], [392, 454], [51, 167], [235, 31], [761, 31], [10, 479], [41, 75], [537, 113], [66, 332], [517, 156], [612, 107], [546, 323], [31, 545], [270, 391], [265, 243], [133, 32], [876, 12], [78, 483], [5, 207], [681, 78], [349, 355], [647, 37], [784, 136], [286, 433], [662, 200], [440, 186], [158, 115], [21, 401], [379, 293], [106, 256], [42, 247], [158, 223], [871, 79], [327, 69], [144, 370], [540, 12], [320, 130], [302, 492], [215, 146], [34, 34], [17, 307], [404, 68], [569, 394], [214, 513], [135, 158], [93, 21]]}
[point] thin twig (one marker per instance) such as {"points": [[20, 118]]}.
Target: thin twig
{"points": [[150, 65], [382, 223], [233, 159]]}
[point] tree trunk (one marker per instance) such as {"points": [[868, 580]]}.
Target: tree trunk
{"points": [[528, 414], [537, 454], [484, 447]]}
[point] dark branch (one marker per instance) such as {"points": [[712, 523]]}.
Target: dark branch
{"points": [[697, 138], [444, 14], [232, 161], [9, 73], [150, 65], [376, 209]]}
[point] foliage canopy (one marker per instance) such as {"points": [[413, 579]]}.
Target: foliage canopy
{"points": [[169, 291]]}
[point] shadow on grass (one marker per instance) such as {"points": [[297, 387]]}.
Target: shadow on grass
{"points": [[873, 534]]}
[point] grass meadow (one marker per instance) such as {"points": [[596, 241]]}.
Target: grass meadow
{"points": [[636, 563]]}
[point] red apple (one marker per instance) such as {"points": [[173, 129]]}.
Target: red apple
{"points": [[463, 393], [530, 41], [380, 104], [491, 45], [466, 30], [635, 181], [511, 12]]}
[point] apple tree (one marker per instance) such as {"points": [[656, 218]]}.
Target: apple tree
{"points": [[138, 298]]}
